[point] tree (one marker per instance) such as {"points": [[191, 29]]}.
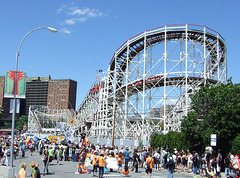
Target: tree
{"points": [[214, 110], [236, 145], [171, 140], [23, 120]]}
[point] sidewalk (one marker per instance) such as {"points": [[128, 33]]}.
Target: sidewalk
{"points": [[4, 171]]}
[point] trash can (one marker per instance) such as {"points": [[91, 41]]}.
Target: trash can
{"points": [[75, 158]]}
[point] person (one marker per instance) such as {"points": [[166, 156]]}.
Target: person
{"points": [[22, 173], [179, 162], [37, 170], [34, 172], [102, 163], [41, 145], [195, 163], [23, 149], [46, 159], [59, 153], [184, 162], [165, 156], [83, 135], [51, 155], [131, 152], [119, 161], [156, 159], [136, 161], [219, 160], [87, 160], [226, 165], [7, 154], [189, 162], [125, 171], [126, 156], [1, 154], [236, 164], [94, 163], [82, 156], [80, 168], [30, 146], [149, 165], [170, 167]]}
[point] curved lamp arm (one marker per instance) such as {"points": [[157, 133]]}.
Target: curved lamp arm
{"points": [[18, 52]]}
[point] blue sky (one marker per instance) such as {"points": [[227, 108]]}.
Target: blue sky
{"points": [[89, 31]]}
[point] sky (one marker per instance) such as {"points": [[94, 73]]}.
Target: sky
{"points": [[90, 31]]}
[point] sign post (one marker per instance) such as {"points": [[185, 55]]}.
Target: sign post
{"points": [[213, 139]]}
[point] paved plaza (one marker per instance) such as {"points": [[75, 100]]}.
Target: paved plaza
{"points": [[68, 169]]}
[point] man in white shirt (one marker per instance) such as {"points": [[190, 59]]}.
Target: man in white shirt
{"points": [[156, 159], [190, 162]]}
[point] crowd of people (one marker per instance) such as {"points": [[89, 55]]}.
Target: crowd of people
{"points": [[126, 158]]}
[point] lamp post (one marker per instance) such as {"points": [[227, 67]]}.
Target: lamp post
{"points": [[11, 171]]}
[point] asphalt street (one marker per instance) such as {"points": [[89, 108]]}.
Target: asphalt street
{"points": [[68, 169]]}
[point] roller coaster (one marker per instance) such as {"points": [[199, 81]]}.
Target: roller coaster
{"points": [[151, 77]]}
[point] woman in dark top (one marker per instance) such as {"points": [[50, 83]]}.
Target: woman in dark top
{"points": [[184, 161], [227, 163], [46, 159], [135, 161], [179, 162]]}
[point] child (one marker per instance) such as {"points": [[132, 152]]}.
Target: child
{"points": [[125, 171], [80, 169], [119, 162]]}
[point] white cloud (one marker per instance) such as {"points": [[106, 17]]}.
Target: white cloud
{"points": [[75, 20], [78, 15], [70, 21], [65, 30]]}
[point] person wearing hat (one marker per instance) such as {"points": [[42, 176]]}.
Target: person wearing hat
{"points": [[34, 172]]}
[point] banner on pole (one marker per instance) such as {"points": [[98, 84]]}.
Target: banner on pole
{"points": [[17, 105], [10, 84]]}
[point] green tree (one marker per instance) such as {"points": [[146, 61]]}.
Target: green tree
{"points": [[171, 140], [23, 120], [214, 110], [236, 145]]}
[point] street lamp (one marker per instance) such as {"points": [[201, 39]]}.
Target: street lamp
{"points": [[11, 171]]}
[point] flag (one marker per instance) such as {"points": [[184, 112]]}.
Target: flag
{"points": [[98, 71]]}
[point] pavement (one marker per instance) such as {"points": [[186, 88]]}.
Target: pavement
{"points": [[68, 169]]}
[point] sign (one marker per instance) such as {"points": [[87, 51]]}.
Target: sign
{"points": [[213, 139], [17, 106], [10, 84]]}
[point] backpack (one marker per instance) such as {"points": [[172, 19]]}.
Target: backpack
{"points": [[165, 157], [195, 160], [170, 164], [8, 153], [79, 169]]}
